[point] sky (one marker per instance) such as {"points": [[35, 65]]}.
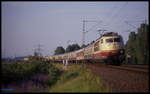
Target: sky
{"points": [[25, 25]]}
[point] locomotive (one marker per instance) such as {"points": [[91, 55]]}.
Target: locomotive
{"points": [[108, 48]]}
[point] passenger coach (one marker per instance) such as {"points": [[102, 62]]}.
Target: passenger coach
{"points": [[109, 48]]}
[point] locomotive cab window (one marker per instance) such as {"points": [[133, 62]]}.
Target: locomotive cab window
{"points": [[116, 39], [101, 41], [96, 46], [109, 40]]}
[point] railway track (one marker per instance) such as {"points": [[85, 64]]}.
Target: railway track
{"points": [[137, 66], [134, 68], [122, 78]]}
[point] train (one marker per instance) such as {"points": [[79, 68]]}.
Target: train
{"points": [[108, 48]]}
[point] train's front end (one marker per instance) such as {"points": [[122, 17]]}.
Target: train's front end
{"points": [[112, 49]]}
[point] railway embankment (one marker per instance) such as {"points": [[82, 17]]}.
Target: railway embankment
{"points": [[77, 79], [72, 78], [121, 80], [49, 78]]}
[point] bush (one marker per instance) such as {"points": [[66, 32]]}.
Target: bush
{"points": [[20, 71], [53, 76]]}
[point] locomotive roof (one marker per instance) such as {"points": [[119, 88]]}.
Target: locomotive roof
{"points": [[110, 34], [68, 52]]}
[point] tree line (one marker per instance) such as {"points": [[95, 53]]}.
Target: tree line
{"points": [[70, 48], [137, 46]]}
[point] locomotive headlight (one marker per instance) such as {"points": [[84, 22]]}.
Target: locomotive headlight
{"points": [[107, 46], [121, 51]]}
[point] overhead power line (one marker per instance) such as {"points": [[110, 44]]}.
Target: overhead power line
{"points": [[130, 24], [133, 26], [93, 26], [120, 10], [101, 31], [110, 12], [84, 29], [113, 17]]}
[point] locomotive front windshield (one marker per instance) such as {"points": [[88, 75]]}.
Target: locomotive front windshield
{"points": [[116, 39], [110, 40]]}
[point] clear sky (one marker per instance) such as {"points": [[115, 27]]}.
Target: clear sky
{"points": [[52, 24]]}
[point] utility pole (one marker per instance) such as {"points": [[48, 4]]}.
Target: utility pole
{"points": [[4, 53], [15, 58], [83, 38], [39, 50]]}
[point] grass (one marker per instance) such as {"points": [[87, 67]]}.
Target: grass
{"points": [[74, 79], [78, 79]]}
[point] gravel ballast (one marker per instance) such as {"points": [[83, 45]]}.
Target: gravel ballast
{"points": [[121, 80]]}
